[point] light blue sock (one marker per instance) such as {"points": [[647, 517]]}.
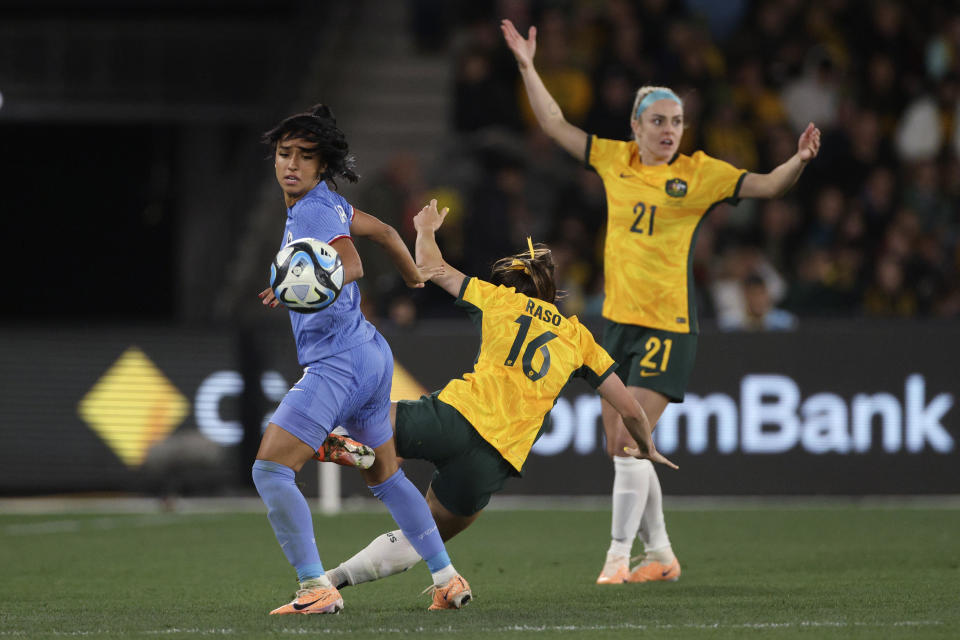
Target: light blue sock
{"points": [[289, 515], [409, 509]]}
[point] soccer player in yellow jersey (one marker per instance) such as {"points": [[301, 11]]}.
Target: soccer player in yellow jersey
{"points": [[656, 199], [479, 429]]}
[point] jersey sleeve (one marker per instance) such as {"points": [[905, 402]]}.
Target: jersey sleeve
{"points": [[469, 299], [600, 153], [597, 363], [721, 180], [325, 221], [347, 207]]}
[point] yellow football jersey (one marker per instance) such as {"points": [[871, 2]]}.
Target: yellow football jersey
{"points": [[653, 214], [528, 352]]}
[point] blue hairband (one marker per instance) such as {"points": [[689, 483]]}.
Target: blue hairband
{"points": [[653, 96]]}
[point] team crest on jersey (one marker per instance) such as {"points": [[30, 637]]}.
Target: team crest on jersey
{"points": [[676, 188]]}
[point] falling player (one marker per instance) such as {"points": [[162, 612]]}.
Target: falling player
{"points": [[478, 430]]}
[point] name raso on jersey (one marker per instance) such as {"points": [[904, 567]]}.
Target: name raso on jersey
{"points": [[537, 311]]}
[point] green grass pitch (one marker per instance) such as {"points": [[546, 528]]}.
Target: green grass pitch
{"points": [[763, 572]]}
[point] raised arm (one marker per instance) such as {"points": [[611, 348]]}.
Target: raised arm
{"points": [[367, 226], [545, 108], [778, 182], [428, 253], [634, 418]]}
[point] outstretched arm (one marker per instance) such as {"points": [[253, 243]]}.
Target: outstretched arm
{"points": [[778, 182], [634, 418], [367, 226], [545, 108], [428, 253]]}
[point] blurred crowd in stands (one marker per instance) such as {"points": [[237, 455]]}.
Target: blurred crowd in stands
{"points": [[872, 227]]}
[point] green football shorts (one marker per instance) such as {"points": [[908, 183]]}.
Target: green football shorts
{"points": [[654, 359], [468, 468]]}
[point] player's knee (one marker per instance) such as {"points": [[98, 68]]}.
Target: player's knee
{"points": [[381, 470], [267, 474], [449, 524]]}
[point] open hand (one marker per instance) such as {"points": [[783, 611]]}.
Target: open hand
{"points": [[809, 145], [522, 48], [429, 219], [425, 274], [647, 451]]}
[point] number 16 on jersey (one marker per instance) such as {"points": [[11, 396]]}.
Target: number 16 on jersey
{"points": [[540, 342]]}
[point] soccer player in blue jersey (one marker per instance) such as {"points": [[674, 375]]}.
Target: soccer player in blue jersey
{"points": [[348, 369]]}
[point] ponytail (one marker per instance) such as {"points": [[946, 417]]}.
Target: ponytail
{"points": [[531, 275]]}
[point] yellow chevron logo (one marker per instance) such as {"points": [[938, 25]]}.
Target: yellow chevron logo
{"points": [[132, 406], [405, 386]]}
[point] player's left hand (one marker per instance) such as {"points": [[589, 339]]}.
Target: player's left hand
{"points": [[267, 298], [809, 145], [429, 219], [426, 273]]}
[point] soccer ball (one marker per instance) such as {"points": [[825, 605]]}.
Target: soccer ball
{"points": [[306, 275]]}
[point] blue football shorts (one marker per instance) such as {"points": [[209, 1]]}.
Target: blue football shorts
{"points": [[351, 388]]}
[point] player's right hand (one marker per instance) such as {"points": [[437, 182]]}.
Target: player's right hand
{"points": [[522, 48], [650, 454], [267, 298]]}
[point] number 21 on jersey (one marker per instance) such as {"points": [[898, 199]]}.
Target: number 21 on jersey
{"points": [[639, 225], [652, 347]]}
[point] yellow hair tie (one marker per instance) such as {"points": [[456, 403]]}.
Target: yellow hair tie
{"points": [[533, 254], [519, 265]]}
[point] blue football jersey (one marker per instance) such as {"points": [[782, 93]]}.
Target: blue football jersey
{"points": [[326, 216]]}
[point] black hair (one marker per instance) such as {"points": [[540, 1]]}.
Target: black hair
{"points": [[318, 127], [532, 277]]}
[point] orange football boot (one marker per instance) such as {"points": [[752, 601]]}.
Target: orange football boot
{"points": [[345, 451], [651, 571], [615, 570], [315, 600], [454, 595]]}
